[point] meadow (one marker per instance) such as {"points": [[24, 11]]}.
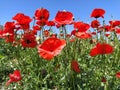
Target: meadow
{"points": [[34, 57]]}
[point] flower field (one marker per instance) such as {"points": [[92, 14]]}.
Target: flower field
{"points": [[40, 54]]}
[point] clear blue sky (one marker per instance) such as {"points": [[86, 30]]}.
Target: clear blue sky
{"points": [[80, 8]]}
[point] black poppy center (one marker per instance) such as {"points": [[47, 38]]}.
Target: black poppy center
{"points": [[28, 41]]}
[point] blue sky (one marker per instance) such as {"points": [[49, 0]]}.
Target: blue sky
{"points": [[80, 8]]}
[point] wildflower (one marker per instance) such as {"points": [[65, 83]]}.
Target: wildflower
{"points": [[42, 14], [95, 24], [50, 23], [114, 23], [51, 47], [75, 66], [22, 20], [81, 27], [15, 77], [98, 12], [63, 17], [9, 28], [101, 48], [118, 31], [28, 40]]}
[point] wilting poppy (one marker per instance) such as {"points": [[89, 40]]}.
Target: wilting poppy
{"points": [[15, 77], [98, 12], [75, 66], [51, 47], [63, 17]]}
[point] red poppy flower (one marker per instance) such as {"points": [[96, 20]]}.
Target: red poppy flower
{"points": [[81, 27], [15, 77], [51, 47], [114, 23], [83, 35], [9, 28], [107, 28], [42, 14], [75, 66], [36, 29], [22, 20], [94, 52], [28, 40], [50, 23], [9, 25], [8, 32], [73, 32], [63, 17], [118, 31], [118, 75], [101, 48], [95, 24], [96, 13]]}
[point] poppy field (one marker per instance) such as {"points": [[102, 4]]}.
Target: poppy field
{"points": [[41, 54]]}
